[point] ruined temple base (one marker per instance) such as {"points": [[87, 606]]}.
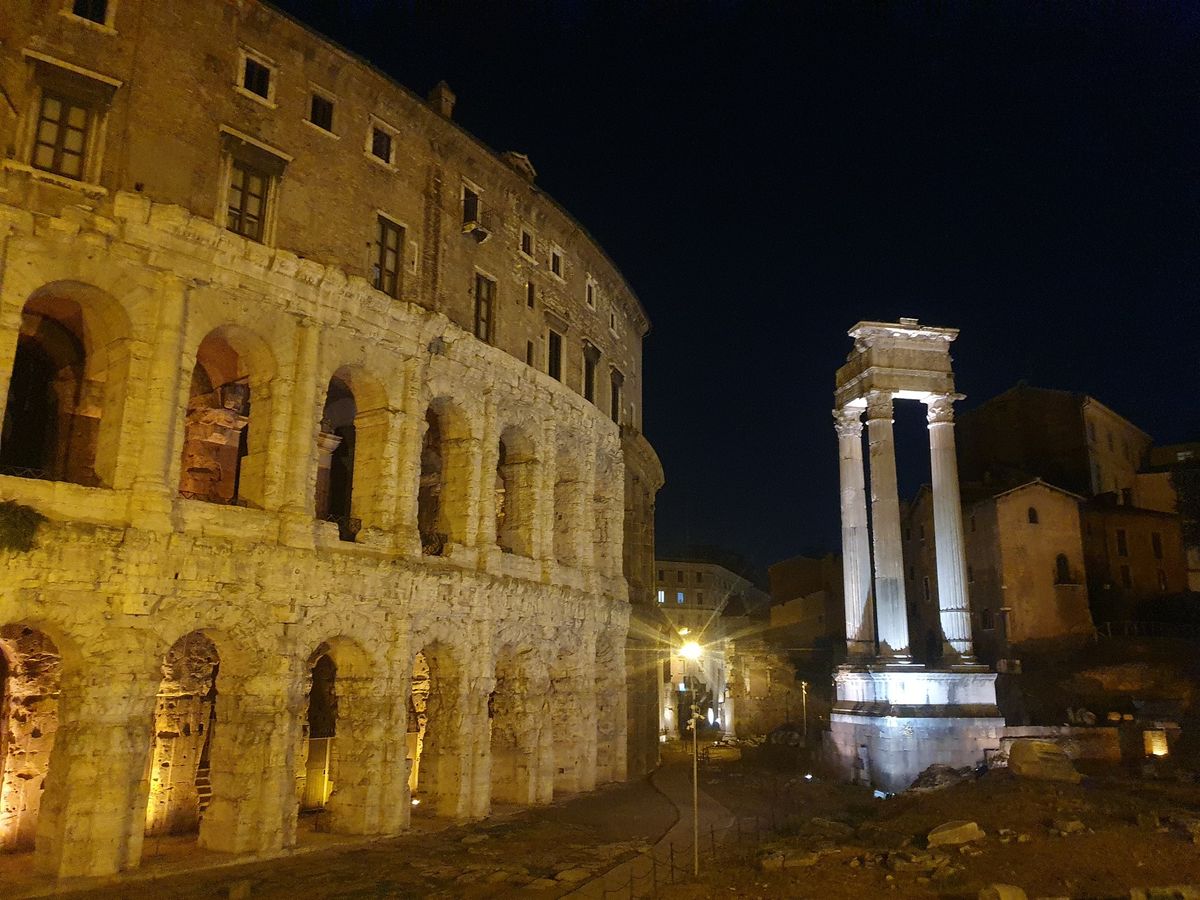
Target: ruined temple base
{"points": [[889, 723]]}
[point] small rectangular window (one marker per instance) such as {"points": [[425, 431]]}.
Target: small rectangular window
{"points": [[320, 112], [485, 297], [699, 596], [556, 265], [530, 294], [614, 396], [247, 200], [589, 378], [699, 578], [589, 293], [62, 134], [1122, 543], [1156, 544], [92, 10], [381, 144], [389, 252], [470, 206], [662, 596], [1126, 577], [660, 575], [612, 321], [679, 597], [679, 577], [554, 355], [529, 353], [527, 242], [256, 78], [987, 619]]}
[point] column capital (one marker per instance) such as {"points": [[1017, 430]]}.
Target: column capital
{"points": [[941, 408], [879, 405], [847, 422]]}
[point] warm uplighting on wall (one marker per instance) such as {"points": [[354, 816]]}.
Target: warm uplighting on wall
{"points": [[1155, 742]]}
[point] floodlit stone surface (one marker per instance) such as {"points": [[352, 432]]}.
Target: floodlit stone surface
{"points": [[1041, 760], [325, 529]]}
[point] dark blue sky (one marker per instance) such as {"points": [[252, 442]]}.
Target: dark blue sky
{"points": [[767, 174]]}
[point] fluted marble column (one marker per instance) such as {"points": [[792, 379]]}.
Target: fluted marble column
{"points": [[890, 604], [856, 548], [948, 531]]}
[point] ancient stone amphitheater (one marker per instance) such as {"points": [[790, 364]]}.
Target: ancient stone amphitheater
{"points": [[322, 474]]}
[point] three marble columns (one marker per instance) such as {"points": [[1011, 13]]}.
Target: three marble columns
{"points": [[882, 601]]}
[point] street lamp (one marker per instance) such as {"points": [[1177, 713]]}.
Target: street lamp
{"points": [[692, 652]]}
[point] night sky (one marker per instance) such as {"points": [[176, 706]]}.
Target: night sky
{"points": [[768, 174]]}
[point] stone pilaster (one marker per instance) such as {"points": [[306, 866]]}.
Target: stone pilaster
{"points": [[948, 530], [543, 533], [297, 526], [856, 548], [890, 605], [378, 445], [489, 456], [408, 463]]}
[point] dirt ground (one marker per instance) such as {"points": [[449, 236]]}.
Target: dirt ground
{"points": [[861, 846]]}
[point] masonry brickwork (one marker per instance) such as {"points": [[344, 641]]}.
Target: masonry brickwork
{"points": [[326, 526]]}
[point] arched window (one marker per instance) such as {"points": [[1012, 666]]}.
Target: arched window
{"points": [[444, 491], [67, 391], [515, 476], [322, 728], [335, 461], [1033, 515], [224, 442], [1062, 570]]}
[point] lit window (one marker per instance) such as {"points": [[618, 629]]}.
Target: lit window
{"points": [[554, 355], [247, 204], [389, 246], [662, 596], [256, 78], [320, 112], [62, 134], [381, 145], [679, 597], [485, 297], [92, 10]]}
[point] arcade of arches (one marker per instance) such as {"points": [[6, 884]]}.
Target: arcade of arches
{"points": [[285, 570]]}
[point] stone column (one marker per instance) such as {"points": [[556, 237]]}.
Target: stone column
{"points": [[298, 508], [543, 521], [891, 608], [856, 549], [408, 467], [948, 531]]}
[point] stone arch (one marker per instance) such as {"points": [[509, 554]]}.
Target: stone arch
{"points": [[438, 748], [515, 713], [66, 395], [570, 520], [184, 715], [516, 491], [30, 683], [445, 475], [227, 422], [352, 450]]}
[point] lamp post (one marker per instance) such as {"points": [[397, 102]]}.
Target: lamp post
{"points": [[692, 651]]}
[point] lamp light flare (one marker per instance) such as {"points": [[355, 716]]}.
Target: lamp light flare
{"points": [[690, 650]]}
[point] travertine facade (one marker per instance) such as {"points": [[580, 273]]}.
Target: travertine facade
{"points": [[335, 422]]}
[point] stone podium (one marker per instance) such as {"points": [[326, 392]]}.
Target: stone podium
{"points": [[892, 718]]}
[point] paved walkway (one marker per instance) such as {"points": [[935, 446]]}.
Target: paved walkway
{"points": [[636, 877]]}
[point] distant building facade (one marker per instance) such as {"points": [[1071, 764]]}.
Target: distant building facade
{"points": [[807, 605], [1171, 483]]}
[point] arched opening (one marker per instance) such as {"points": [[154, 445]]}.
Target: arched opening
{"points": [[66, 395], [1033, 515], [30, 678], [443, 494], [513, 714], [335, 468], [516, 469], [184, 716], [568, 508], [1062, 569], [321, 729], [226, 424], [434, 742]]}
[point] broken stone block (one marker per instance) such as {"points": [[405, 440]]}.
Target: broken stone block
{"points": [[1041, 760], [1068, 826], [573, 876], [956, 832], [831, 827], [937, 777]]}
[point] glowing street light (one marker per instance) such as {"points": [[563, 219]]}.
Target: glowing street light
{"points": [[692, 651]]}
